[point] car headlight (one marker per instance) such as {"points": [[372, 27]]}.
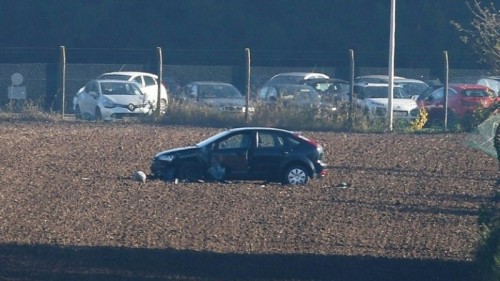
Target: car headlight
{"points": [[167, 158], [376, 104], [108, 103], [380, 111]]}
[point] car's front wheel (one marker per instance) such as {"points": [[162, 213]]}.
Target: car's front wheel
{"points": [[296, 175], [98, 114], [190, 171], [78, 112], [163, 106]]}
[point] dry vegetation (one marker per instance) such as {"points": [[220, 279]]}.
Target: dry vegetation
{"points": [[70, 210]]}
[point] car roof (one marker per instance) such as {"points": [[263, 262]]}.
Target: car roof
{"points": [[463, 86], [209, 83], [323, 80], [130, 73], [409, 80], [306, 75], [379, 76], [370, 84], [260, 129], [114, 81]]}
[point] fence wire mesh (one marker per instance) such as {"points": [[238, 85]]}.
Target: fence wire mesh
{"points": [[482, 137], [43, 80]]}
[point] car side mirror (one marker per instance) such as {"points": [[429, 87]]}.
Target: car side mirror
{"points": [[93, 94]]}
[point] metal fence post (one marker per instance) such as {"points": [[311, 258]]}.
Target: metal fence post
{"points": [[446, 76], [160, 75], [63, 78], [351, 86], [247, 83]]}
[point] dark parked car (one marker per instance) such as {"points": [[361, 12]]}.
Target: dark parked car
{"points": [[220, 95], [330, 89], [293, 96], [249, 153]]}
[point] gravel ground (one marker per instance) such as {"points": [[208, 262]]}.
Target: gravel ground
{"points": [[70, 209]]}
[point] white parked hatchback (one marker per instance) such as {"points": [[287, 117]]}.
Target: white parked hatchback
{"points": [[111, 99], [373, 99], [148, 83]]}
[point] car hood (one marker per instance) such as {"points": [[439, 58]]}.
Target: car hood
{"points": [[126, 99], [224, 102], [396, 103], [179, 151]]}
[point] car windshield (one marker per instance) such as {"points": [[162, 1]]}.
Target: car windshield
{"points": [[219, 91], [212, 139], [413, 88], [331, 86], [285, 79], [382, 92], [298, 93], [122, 89]]}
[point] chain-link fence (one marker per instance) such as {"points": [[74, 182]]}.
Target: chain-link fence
{"points": [[42, 81]]}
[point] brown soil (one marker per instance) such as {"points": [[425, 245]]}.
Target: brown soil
{"points": [[70, 209]]}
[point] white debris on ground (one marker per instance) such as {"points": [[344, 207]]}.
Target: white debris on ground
{"points": [[140, 176]]}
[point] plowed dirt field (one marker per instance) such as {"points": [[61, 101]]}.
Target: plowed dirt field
{"points": [[70, 209]]}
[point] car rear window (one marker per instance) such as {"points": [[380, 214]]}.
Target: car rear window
{"points": [[114, 77], [476, 93]]}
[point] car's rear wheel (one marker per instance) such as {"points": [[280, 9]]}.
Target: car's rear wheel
{"points": [[296, 175], [190, 171]]}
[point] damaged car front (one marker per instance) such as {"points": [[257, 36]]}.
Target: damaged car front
{"points": [[175, 162]]}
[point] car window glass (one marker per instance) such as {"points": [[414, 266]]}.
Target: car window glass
{"points": [[269, 140], [438, 94], [263, 92], [292, 142], [376, 92], [149, 81], [235, 141], [91, 87], [113, 77], [120, 89], [138, 80]]}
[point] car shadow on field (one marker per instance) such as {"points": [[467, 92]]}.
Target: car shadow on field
{"points": [[46, 262]]}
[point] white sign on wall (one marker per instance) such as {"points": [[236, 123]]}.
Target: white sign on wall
{"points": [[16, 91]]}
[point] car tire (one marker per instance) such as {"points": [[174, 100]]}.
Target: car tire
{"points": [[163, 106], [296, 175], [189, 171], [98, 114], [78, 113]]}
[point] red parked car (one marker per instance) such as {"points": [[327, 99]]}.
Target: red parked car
{"points": [[463, 99]]}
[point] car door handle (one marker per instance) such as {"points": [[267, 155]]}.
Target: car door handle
{"points": [[284, 152]]}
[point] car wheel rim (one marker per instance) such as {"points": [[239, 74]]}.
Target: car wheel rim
{"points": [[297, 176]]}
